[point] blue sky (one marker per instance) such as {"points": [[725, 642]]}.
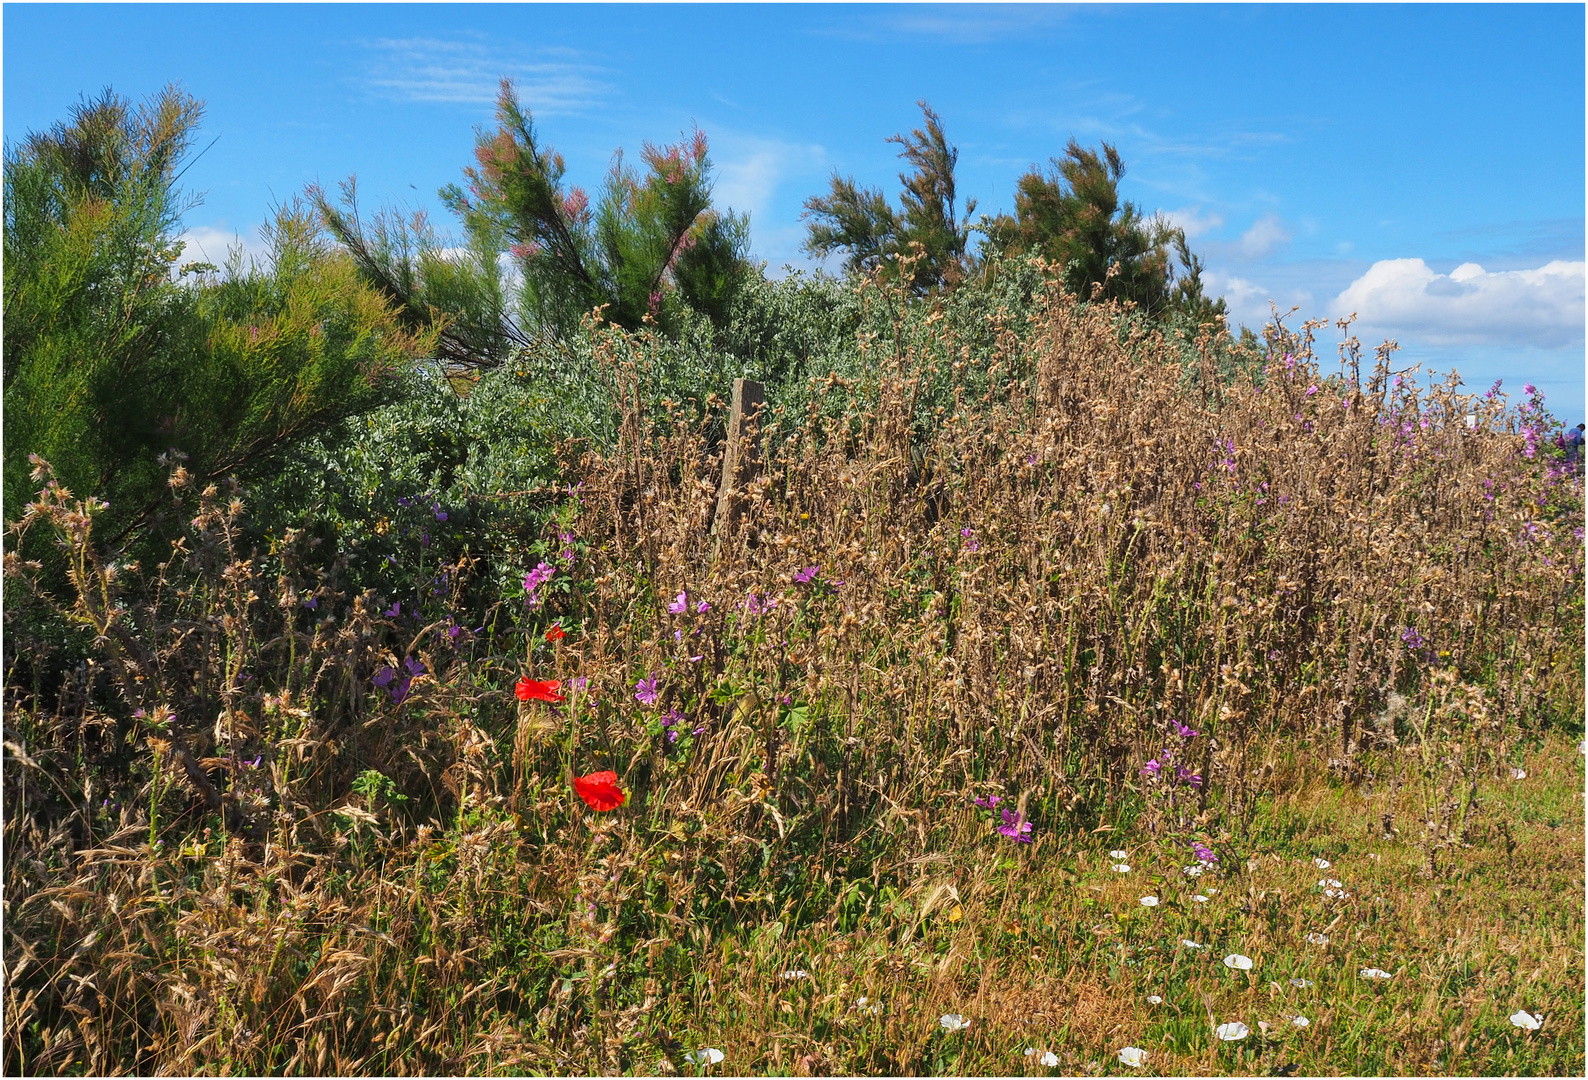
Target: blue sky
{"points": [[1422, 165]]}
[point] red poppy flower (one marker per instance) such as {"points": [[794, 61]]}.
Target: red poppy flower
{"points": [[556, 633], [600, 790], [530, 690]]}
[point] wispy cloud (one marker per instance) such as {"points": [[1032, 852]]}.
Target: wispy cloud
{"points": [[1194, 221], [469, 70], [980, 24], [750, 169], [1471, 306], [1266, 236]]}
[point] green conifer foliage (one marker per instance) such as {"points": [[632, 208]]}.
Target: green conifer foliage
{"points": [[1071, 214], [111, 360], [649, 246], [860, 221]]}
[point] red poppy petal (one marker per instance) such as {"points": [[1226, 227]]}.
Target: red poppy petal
{"points": [[600, 790], [530, 690]]}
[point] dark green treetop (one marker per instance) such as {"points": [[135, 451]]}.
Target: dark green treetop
{"points": [[862, 223], [650, 245], [1072, 215]]}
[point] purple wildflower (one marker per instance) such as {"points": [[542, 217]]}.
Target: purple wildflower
{"points": [[672, 717], [702, 607], [440, 514], [538, 576], [989, 802], [1183, 731], [759, 605], [645, 691], [807, 575], [679, 605], [395, 610], [1186, 776], [1016, 827], [312, 602]]}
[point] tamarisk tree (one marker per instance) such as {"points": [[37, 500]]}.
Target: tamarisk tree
{"points": [[649, 248], [873, 235], [114, 358]]}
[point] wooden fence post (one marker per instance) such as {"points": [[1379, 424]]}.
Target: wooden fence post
{"points": [[741, 456]]}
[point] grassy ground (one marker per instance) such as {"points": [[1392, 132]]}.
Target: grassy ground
{"points": [[1049, 948]]}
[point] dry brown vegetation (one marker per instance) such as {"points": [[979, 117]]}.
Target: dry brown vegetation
{"points": [[1368, 610]]}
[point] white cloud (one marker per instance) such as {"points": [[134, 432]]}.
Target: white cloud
{"points": [[1251, 303], [470, 72], [749, 170], [1266, 235], [215, 243], [1193, 221], [1470, 306]]}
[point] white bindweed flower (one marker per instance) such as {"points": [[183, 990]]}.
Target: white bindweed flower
{"points": [[1049, 1059], [866, 1005], [1300, 1021], [1118, 856], [1149, 901], [1518, 774], [1321, 864], [1188, 943], [796, 974], [1302, 984], [1375, 973], [954, 1022], [1212, 891], [1121, 868], [1336, 894], [1199, 898], [1582, 747], [1525, 1020], [709, 1055], [1238, 962], [1234, 1031], [1134, 1056], [1374, 856], [1154, 999], [1194, 871], [1030, 1050], [1329, 883]]}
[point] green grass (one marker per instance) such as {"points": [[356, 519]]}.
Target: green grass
{"points": [[1049, 948]]}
